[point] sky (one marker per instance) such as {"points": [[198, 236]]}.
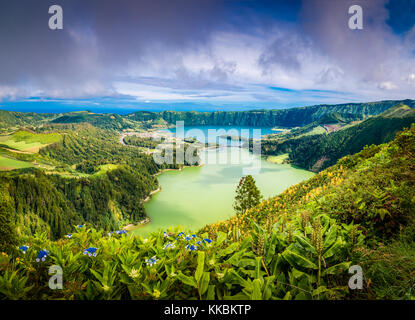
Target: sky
{"points": [[205, 54]]}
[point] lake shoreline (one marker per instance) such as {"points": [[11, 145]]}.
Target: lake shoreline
{"points": [[211, 190], [179, 169], [151, 193], [195, 198], [133, 226]]}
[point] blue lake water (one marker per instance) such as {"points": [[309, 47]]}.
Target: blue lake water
{"points": [[196, 196]]}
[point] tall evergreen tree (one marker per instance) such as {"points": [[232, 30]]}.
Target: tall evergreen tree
{"points": [[247, 195]]}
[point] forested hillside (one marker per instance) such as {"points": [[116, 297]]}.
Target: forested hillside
{"points": [[292, 117], [54, 204], [10, 119], [102, 120], [90, 178], [76, 174], [319, 151]]}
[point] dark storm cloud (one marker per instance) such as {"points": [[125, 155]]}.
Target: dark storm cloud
{"points": [[326, 22], [99, 38], [281, 53]]}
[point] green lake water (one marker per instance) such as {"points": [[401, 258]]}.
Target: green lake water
{"points": [[196, 196]]}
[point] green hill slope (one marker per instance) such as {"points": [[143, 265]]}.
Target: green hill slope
{"points": [[316, 152], [104, 120], [291, 117], [11, 120]]}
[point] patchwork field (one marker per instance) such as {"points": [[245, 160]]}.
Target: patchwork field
{"points": [[10, 164], [106, 167], [278, 159], [25, 141]]}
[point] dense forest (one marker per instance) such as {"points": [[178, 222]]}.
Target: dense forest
{"points": [[54, 204], [102, 194]]}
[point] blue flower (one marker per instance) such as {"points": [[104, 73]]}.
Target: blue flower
{"points": [[91, 251], [193, 236], [207, 241], [121, 232], [69, 236], [41, 256], [181, 234], [165, 234], [169, 245], [152, 261], [188, 238], [24, 248], [191, 247], [80, 226]]}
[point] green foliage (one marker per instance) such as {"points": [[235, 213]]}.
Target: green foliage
{"points": [[107, 121], [53, 203], [7, 231], [247, 194], [141, 142], [220, 269], [389, 269]]}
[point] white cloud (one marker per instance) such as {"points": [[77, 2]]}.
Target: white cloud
{"points": [[388, 85]]}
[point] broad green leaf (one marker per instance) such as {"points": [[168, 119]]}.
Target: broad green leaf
{"points": [[200, 265], [187, 280], [211, 292], [334, 249], [295, 259], [382, 213], [238, 296], [256, 292], [229, 249], [338, 268], [221, 237], [268, 287], [305, 243], [238, 279], [302, 296], [97, 275], [271, 250], [331, 236], [258, 267], [204, 282], [287, 296]]}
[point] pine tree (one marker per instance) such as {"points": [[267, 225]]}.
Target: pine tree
{"points": [[247, 195]]}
